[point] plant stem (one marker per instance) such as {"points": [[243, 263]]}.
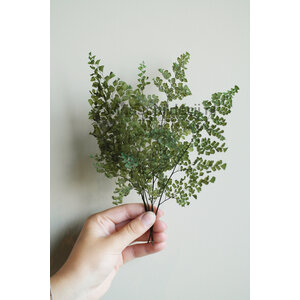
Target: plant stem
{"points": [[143, 198], [180, 156], [148, 208]]}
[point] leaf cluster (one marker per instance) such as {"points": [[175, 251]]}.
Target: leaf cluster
{"points": [[145, 139]]}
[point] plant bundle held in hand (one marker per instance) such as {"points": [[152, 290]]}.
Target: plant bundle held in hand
{"points": [[144, 139]]}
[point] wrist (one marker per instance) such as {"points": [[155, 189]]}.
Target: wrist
{"points": [[64, 286]]}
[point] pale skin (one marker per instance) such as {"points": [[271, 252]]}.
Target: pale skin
{"points": [[106, 242]]}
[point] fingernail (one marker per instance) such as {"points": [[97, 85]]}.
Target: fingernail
{"points": [[148, 218]]}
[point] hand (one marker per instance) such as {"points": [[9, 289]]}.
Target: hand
{"points": [[105, 244]]}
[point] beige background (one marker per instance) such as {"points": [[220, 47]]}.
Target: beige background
{"points": [[207, 256]]}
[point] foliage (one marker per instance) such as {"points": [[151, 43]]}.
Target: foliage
{"points": [[144, 139]]}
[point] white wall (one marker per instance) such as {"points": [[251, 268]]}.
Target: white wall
{"points": [[207, 256]]}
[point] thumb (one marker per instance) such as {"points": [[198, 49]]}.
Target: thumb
{"points": [[133, 230]]}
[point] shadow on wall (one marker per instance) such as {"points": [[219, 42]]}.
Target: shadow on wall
{"points": [[80, 179], [63, 247], [82, 144]]}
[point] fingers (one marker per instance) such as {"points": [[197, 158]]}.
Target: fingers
{"points": [[159, 227], [131, 231], [122, 224], [122, 213], [157, 237], [139, 250], [125, 212]]}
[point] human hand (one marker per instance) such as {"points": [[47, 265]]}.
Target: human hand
{"points": [[105, 244]]}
